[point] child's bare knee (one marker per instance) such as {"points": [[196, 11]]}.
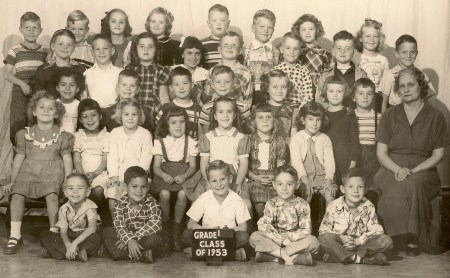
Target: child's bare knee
{"points": [[164, 195]]}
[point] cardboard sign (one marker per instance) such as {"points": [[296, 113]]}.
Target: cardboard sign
{"points": [[217, 243]]}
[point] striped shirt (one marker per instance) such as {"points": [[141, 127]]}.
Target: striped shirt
{"points": [[26, 60], [193, 111], [243, 107], [367, 126], [212, 55]]}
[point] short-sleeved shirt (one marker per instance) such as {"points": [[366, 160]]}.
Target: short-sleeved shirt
{"points": [[427, 132], [260, 58], [227, 146], [375, 67], [101, 84], [26, 60], [91, 148], [83, 55], [76, 221], [230, 213], [175, 148], [303, 86]]}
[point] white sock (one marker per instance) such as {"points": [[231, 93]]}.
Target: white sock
{"points": [[15, 229], [358, 259]]}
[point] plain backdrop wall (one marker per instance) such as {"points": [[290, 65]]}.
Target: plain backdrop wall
{"points": [[428, 21]]}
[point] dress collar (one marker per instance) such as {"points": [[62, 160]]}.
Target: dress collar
{"points": [[230, 133]]}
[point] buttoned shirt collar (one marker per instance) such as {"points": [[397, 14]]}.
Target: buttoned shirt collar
{"points": [[257, 44]]}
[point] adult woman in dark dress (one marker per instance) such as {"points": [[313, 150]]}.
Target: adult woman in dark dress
{"points": [[411, 140]]}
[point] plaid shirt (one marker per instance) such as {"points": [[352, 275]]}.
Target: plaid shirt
{"points": [[286, 219], [315, 59], [136, 224], [242, 88], [303, 87], [151, 78], [339, 220]]}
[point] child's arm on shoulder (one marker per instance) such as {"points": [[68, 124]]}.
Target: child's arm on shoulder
{"points": [[157, 161], [10, 75], [17, 163]]}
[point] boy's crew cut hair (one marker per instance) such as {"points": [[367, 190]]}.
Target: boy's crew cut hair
{"points": [[218, 165], [134, 172], [403, 39], [77, 15], [30, 16], [267, 14], [218, 8], [180, 71]]}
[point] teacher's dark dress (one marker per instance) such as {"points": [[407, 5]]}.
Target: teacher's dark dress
{"points": [[405, 206]]}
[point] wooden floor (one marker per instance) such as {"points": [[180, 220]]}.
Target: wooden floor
{"points": [[27, 263]]}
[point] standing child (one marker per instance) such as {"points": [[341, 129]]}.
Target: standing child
{"points": [[127, 87], [137, 233], [116, 26], [230, 47], [78, 24], [193, 54], [221, 81], [284, 231], [174, 163], [298, 75], [91, 150], [62, 45], [218, 23], [219, 208], [68, 84], [129, 144], [312, 154], [20, 66], [43, 160], [102, 78], [260, 55], [159, 23], [368, 118], [277, 85], [313, 57], [144, 58], [370, 39], [181, 84], [350, 232], [268, 150], [224, 142], [77, 221], [343, 51], [406, 53], [343, 128]]}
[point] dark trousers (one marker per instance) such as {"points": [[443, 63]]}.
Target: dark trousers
{"points": [[242, 238], [159, 245], [333, 245], [369, 163], [55, 245], [18, 114]]}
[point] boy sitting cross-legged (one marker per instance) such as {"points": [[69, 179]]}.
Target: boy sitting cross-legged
{"points": [[350, 232], [137, 232]]}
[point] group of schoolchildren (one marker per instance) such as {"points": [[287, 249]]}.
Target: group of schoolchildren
{"points": [[124, 118]]}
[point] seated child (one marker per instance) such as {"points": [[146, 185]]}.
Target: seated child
{"points": [[91, 150], [193, 54], [159, 22], [284, 232], [268, 150], [174, 164], [230, 47], [312, 154], [218, 23], [77, 222], [350, 232], [299, 76], [101, 79], [180, 80], [20, 65], [68, 84], [127, 87], [343, 51], [368, 118], [78, 23], [406, 53], [221, 81], [137, 233], [219, 207], [260, 55]]}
